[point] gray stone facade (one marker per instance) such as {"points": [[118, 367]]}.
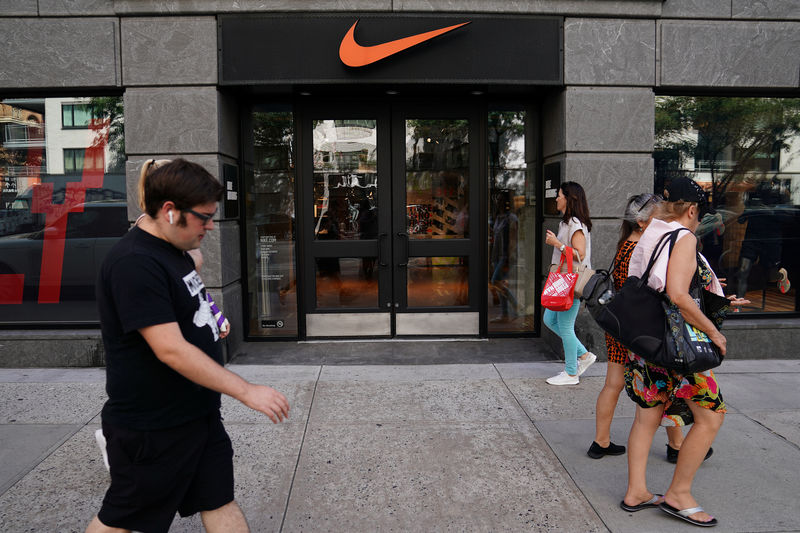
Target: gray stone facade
{"points": [[60, 52], [730, 54], [180, 50], [617, 55], [609, 52]]}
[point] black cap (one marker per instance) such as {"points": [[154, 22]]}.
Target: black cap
{"points": [[688, 190]]}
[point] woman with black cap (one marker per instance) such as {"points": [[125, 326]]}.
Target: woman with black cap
{"points": [[654, 388]]}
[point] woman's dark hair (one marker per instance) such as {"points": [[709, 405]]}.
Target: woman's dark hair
{"points": [[180, 181], [576, 203], [626, 229]]}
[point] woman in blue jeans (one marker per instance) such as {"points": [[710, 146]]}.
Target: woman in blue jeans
{"points": [[574, 232]]}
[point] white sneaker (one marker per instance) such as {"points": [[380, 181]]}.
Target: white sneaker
{"points": [[563, 379], [585, 363], [101, 443]]}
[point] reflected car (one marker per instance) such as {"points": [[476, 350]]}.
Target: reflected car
{"points": [[89, 236]]}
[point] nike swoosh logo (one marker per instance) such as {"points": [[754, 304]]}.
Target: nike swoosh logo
{"points": [[353, 54]]}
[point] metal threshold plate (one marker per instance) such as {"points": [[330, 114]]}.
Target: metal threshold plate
{"points": [[348, 324], [437, 323]]}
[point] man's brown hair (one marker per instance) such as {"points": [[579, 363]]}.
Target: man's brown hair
{"points": [[182, 182]]}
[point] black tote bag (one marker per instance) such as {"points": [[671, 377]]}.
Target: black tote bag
{"points": [[635, 314], [687, 349]]}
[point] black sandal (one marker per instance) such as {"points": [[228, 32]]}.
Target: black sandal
{"points": [[684, 515], [652, 502]]}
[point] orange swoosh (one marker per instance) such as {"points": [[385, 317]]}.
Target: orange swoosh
{"points": [[353, 54]]}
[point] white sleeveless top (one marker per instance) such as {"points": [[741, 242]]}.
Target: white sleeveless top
{"points": [[565, 232], [644, 249]]}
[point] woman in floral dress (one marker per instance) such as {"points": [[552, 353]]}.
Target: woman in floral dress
{"points": [[654, 388]]}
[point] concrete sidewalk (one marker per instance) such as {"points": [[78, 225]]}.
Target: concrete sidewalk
{"points": [[469, 447]]}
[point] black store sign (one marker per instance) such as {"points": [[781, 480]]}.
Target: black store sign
{"points": [[280, 49]]}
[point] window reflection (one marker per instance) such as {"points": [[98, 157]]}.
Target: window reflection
{"points": [[345, 180], [745, 152], [512, 230], [270, 226], [77, 115], [437, 178], [62, 204]]}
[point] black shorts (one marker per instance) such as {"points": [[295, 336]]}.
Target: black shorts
{"points": [[187, 469]]}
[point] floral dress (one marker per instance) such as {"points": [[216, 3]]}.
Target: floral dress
{"points": [[617, 353], [650, 385]]}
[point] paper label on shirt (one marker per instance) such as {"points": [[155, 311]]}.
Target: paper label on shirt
{"points": [[194, 283]]}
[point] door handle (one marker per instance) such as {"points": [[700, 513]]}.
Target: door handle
{"points": [[404, 235], [380, 249]]}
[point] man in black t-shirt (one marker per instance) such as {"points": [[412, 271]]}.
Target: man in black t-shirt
{"points": [[167, 448]]}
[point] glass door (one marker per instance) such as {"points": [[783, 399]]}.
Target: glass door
{"points": [[389, 246], [346, 198], [435, 162]]}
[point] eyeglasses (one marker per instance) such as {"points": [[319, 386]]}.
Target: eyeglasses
{"points": [[202, 216]]}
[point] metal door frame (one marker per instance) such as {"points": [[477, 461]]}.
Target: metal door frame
{"points": [[456, 320], [390, 247]]}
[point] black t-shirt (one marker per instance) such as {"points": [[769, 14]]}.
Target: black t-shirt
{"points": [[145, 281]]}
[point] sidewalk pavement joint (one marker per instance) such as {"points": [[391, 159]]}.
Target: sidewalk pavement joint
{"points": [[300, 450]]}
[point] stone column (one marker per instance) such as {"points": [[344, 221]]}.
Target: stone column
{"points": [[173, 108], [600, 128]]}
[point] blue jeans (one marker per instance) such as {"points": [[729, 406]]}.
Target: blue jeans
{"points": [[562, 323]]}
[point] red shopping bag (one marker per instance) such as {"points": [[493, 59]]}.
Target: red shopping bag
{"points": [[559, 289]]}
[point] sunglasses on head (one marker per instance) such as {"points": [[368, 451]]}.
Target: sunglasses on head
{"points": [[653, 199]]}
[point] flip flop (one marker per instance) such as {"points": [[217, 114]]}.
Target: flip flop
{"points": [[652, 502], [684, 515]]}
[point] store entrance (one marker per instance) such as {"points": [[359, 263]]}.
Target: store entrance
{"points": [[389, 201]]}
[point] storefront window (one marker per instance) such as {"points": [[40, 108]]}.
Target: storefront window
{"points": [[438, 281], [512, 223], [745, 152], [437, 179], [346, 282], [345, 180], [62, 205], [270, 226]]}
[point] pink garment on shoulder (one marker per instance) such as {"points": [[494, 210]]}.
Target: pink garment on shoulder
{"points": [[643, 251]]}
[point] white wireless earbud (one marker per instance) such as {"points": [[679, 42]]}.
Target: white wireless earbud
{"points": [[171, 219]]}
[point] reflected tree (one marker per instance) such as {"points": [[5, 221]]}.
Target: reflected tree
{"points": [[273, 143], [434, 132], [110, 108], [727, 137], [503, 128], [273, 136]]}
